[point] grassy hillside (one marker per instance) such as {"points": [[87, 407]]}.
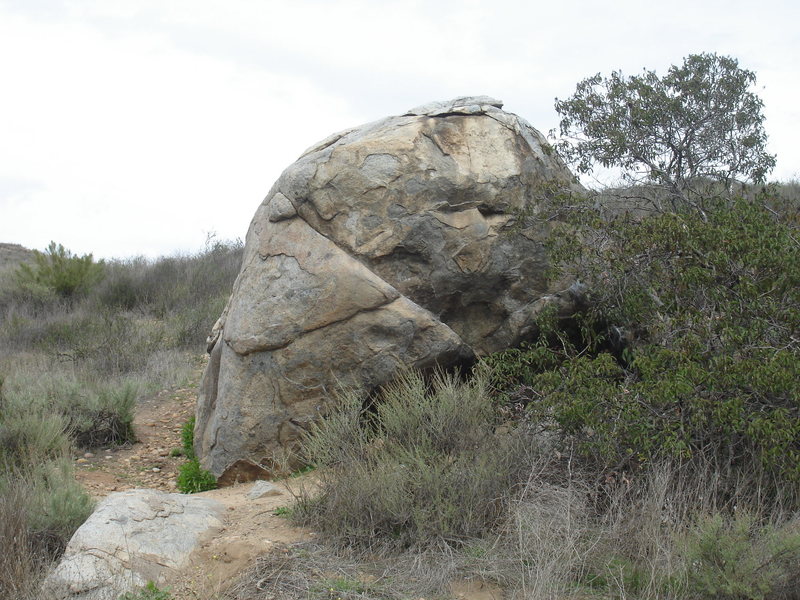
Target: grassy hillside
{"points": [[11, 255], [73, 366]]}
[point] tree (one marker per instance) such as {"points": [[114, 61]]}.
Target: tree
{"points": [[58, 270], [700, 122]]}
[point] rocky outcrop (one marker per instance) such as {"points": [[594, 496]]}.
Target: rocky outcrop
{"points": [[393, 244], [131, 538]]}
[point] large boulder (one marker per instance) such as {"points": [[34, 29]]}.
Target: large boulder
{"points": [[394, 244], [131, 538]]}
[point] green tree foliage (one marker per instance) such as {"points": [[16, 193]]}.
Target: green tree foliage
{"points": [[698, 122], [58, 270], [690, 343]]}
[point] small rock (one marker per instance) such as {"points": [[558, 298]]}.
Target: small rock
{"points": [[109, 456], [262, 489], [156, 470], [88, 455], [81, 461]]}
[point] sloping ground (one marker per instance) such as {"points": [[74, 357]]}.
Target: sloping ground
{"points": [[12, 255], [258, 552]]}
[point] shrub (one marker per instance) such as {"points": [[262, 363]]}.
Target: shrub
{"points": [[58, 504], [21, 567], [737, 558], [59, 270], [187, 438], [421, 467], [192, 478], [38, 411], [148, 592], [687, 346]]}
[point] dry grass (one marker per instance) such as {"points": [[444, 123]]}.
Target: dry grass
{"points": [[21, 567]]}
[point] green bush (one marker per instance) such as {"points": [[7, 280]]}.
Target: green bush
{"points": [[739, 559], [688, 346], [59, 270], [58, 504], [148, 592], [421, 467], [91, 414], [187, 438], [192, 478]]}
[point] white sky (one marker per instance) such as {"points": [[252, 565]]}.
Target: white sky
{"points": [[135, 128]]}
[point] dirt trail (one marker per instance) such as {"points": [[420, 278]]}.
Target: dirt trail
{"points": [[251, 527], [147, 463]]}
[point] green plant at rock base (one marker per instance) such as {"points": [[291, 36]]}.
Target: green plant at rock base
{"points": [[187, 438], [192, 478], [148, 592], [422, 467]]}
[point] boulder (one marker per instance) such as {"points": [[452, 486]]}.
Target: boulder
{"points": [[131, 538], [395, 244]]}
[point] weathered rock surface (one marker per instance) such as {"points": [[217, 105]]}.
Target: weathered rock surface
{"points": [[389, 245], [131, 538]]}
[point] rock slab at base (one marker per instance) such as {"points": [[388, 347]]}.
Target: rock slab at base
{"points": [[131, 538], [391, 245]]}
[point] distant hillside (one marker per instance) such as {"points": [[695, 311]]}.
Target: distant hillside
{"points": [[12, 255]]}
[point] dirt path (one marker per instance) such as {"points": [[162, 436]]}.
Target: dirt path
{"points": [[148, 463], [251, 526]]}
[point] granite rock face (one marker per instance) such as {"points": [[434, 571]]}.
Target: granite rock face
{"points": [[131, 538], [389, 245]]}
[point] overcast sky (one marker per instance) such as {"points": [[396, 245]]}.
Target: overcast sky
{"points": [[138, 127]]}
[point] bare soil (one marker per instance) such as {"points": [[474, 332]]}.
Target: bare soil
{"points": [[251, 527]]}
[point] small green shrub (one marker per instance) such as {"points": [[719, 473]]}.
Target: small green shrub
{"points": [[422, 467], [58, 504], [192, 478], [283, 511], [187, 438], [93, 414], [740, 559], [32, 437], [148, 592]]}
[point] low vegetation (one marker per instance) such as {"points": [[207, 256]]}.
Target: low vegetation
{"points": [[421, 467], [192, 478], [80, 342]]}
